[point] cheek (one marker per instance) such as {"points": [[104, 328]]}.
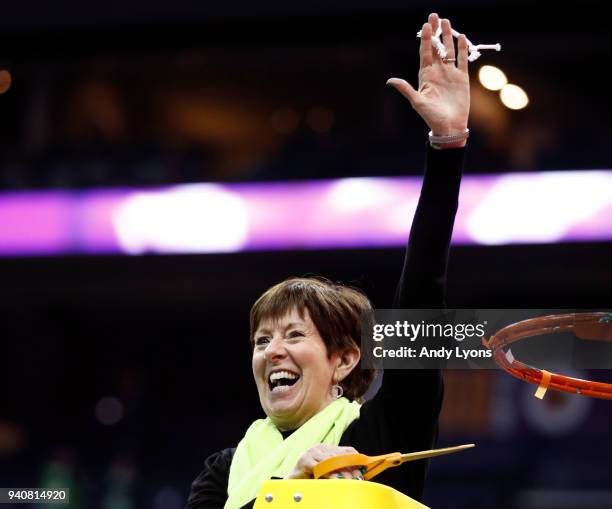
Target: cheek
{"points": [[256, 365], [319, 366]]}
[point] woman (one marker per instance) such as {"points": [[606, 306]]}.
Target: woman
{"points": [[305, 333]]}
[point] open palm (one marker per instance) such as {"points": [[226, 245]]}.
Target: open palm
{"points": [[443, 96]]}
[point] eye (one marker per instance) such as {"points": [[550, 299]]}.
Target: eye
{"points": [[295, 334], [262, 340]]}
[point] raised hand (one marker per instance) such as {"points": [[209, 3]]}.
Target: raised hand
{"points": [[443, 97]]}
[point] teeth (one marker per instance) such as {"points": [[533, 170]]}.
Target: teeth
{"points": [[281, 388], [282, 374]]}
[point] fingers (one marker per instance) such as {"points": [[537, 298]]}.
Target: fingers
{"points": [[356, 473], [307, 463], [434, 22], [353, 473], [462, 57], [425, 55], [322, 452], [404, 88], [447, 39]]}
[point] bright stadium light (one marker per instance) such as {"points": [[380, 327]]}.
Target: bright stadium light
{"points": [[492, 78], [514, 97], [200, 218]]}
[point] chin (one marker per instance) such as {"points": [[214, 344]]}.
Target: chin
{"points": [[281, 409]]}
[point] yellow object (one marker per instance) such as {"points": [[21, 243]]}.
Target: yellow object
{"points": [[263, 453], [331, 494], [544, 383]]}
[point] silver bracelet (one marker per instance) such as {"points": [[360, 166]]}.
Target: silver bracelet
{"points": [[445, 140]]}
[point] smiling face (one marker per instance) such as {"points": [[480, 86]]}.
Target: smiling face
{"points": [[292, 370]]}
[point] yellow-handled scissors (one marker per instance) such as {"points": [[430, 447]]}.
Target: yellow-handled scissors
{"points": [[374, 465]]}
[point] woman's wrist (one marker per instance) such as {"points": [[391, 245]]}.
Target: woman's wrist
{"points": [[458, 144], [453, 138]]}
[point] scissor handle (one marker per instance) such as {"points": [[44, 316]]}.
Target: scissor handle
{"points": [[374, 465]]}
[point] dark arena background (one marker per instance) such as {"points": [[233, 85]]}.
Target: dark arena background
{"points": [[120, 374]]}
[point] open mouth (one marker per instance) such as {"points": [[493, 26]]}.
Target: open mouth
{"points": [[281, 381]]}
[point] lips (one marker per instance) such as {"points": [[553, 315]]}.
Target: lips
{"points": [[282, 380]]}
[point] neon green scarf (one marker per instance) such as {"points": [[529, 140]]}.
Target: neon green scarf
{"points": [[263, 454]]}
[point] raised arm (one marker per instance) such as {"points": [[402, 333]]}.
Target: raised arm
{"points": [[403, 416], [443, 101]]}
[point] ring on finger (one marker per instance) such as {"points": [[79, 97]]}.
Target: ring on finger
{"points": [[448, 60]]}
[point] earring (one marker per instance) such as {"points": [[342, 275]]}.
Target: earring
{"points": [[336, 391]]}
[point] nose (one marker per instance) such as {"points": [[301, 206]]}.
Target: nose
{"points": [[275, 350]]}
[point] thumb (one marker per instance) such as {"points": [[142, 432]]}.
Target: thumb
{"points": [[404, 88]]}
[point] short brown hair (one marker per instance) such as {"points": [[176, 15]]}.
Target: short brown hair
{"points": [[338, 311]]}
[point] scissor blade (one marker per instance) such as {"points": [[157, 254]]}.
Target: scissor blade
{"points": [[412, 456]]}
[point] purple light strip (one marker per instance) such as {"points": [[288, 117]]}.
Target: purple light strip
{"points": [[346, 213]]}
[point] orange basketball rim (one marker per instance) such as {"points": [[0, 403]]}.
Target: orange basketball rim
{"points": [[587, 326]]}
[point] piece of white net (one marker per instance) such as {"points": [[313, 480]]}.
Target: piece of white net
{"points": [[473, 49]]}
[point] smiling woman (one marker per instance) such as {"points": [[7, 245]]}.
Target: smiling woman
{"points": [[314, 312], [291, 370], [305, 333]]}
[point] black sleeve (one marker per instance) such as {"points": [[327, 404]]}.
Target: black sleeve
{"points": [[423, 279], [403, 416], [209, 490]]}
